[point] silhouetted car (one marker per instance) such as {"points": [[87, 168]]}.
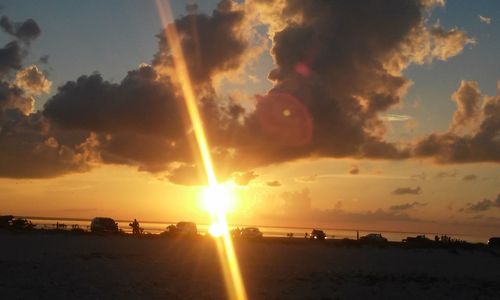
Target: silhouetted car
{"points": [[373, 238], [494, 242], [419, 239], [103, 225], [186, 229], [6, 221], [251, 233], [317, 234]]}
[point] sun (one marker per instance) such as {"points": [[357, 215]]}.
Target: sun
{"points": [[219, 199]]}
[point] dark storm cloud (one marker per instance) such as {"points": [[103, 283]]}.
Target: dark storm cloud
{"points": [[11, 56], [338, 67], [335, 74], [211, 44], [407, 206], [28, 150], [407, 191], [139, 104], [482, 144], [482, 205], [25, 31], [12, 97]]}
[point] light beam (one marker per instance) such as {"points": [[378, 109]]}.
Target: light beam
{"points": [[231, 271]]}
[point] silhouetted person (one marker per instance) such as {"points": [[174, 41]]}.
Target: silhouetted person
{"points": [[136, 228], [436, 238], [357, 235]]}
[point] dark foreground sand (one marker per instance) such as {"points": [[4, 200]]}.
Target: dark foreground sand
{"points": [[62, 266]]}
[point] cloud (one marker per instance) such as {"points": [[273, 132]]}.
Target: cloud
{"points": [[211, 44], [187, 175], [407, 206], [482, 205], [12, 97], [421, 176], [25, 31], [449, 43], [483, 19], [11, 56], [329, 89], [244, 178], [468, 99], [273, 183], [407, 191], [310, 178], [354, 170], [29, 149], [470, 177], [396, 118], [32, 81], [443, 175], [482, 144], [296, 202]]}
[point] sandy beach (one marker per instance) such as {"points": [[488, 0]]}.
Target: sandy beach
{"points": [[67, 266]]}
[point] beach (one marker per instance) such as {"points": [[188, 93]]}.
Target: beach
{"points": [[38, 265]]}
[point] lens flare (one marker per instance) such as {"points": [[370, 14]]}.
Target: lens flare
{"points": [[217, 198], [216, 230]]}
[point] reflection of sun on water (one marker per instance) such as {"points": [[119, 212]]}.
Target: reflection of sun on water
{"points": [[218, 200], [216, 230]]}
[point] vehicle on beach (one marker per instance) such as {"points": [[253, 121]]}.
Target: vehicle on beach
{"points": [[494, 242], [317, 234], [251, 233], [419, 239], [373, 238], [103, 225]]}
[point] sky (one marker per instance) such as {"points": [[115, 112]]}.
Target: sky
{"points": [[359, 114]]}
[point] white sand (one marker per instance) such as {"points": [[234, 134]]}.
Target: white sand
{"points": [[59, 266]]}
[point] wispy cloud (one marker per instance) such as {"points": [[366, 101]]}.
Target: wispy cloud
{"points": [[482, 205], [469, 177], [407, 191], [483, 19], [396, 118], [407, 206]]}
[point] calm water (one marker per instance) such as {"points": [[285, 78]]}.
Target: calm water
{"points": [[268, 231]]}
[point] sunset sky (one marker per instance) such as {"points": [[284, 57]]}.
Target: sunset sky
{"points": [[344, 114]]}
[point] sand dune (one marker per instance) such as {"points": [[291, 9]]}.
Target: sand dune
{"points": [[64, 266]]}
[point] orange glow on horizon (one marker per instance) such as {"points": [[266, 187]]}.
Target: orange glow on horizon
{"points": [[216, 197]]}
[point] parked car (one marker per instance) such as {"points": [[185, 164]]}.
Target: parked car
{"points": [[317, 234], [494, 242], [251, 233], [103, 225], [186, 229], [419, 239], [373, 238]]}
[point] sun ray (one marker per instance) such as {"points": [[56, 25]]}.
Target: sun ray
{"points": [[215, 195]]}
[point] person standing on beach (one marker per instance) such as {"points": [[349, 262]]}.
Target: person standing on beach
{"points": [[136, 228]]}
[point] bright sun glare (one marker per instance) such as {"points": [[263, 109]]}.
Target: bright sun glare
{"points": [[218, 198]]}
